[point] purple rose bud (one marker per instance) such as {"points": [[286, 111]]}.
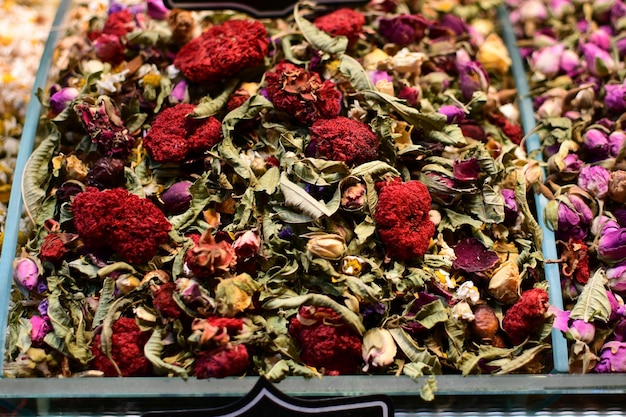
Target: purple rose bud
{"points": [[594, 180], [40, 327], [62, 98], [26, 271], [612, 358], [612, 239], [615, 98], [573, 218], [472, 78], [601, 37], [583, 331], [596, 144], [179, 92], [410, 94], [618, 11], [157, 10], [403, 30], [560, 8], [616, 141], [453, 113], [453, 24], [599, 61], [616, 276], [177, 198], [617, 307], [511, 208], [570, 62], [533, 10], [572, 163], [106, 173], [546, 61]]}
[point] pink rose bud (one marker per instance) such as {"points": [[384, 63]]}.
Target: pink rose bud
{"points": [[583, 331], [594, 180], [26, 271], [62, 98], [247, 245], [157, 10]]}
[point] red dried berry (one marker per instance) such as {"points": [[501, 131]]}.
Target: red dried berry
{"points": [[173, 137], [328, 343], [224, 361], [344, 139], [402, 219], [126, 223], [223, 51], [342, 22], [127, 343], [526, 315]]}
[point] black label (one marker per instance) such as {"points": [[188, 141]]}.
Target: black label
{"points": [[265, 400], [258, 8]]}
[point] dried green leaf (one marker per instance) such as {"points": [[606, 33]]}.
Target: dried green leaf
{"points": [[351, 68], [37, 174], [318, 300], [298, 198], [519, 362], [208, 106], [593, 303], [107, 297], [153, 349], [428, 121], [319, 39]]}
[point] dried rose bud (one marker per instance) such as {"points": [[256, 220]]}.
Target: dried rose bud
{"points": [[26, 271], [247, 245], [353, 197], [615, 98], [571, 219], [545, 61], [617, 186], [616, 276], [599, 61], [505, 283], [106, 173], [379, 349], [182, 24], [327, 246], [234, 295], [126, 283], [611, 244], [596, 144], [177, 198], [157, 10], [616, 140], [40, 327], [62, 98], [485, 324], [594, 180], [473, 78], [404, 29], [583, 331], [612, 358]]}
